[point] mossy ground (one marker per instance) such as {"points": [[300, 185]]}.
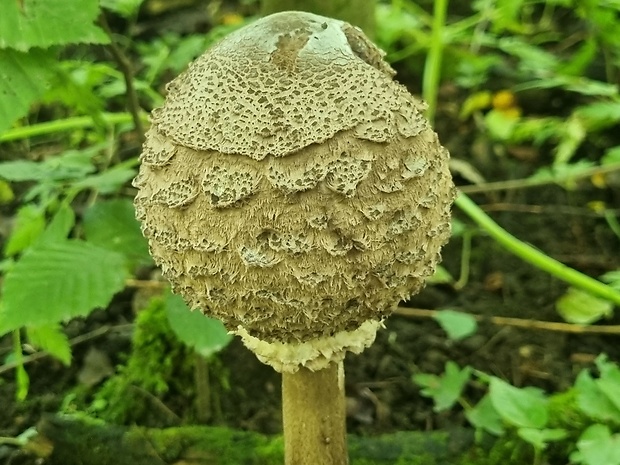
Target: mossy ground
{"points": [[158, 369]]}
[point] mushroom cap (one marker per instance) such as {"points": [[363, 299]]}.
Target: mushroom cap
{"points": [[292, 189], [282, 83]]}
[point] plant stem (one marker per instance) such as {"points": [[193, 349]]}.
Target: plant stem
{"points": [[432, 67], [61, 125], [540, 181], [535, 257], [203, 388], [465, 258], [314, 417], [133, 103], [21, 377], [612, 222]]}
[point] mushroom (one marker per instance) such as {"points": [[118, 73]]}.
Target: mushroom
{"points": [[291, 188]]}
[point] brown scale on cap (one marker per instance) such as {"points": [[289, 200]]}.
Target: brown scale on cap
{"points": [[291, 188]]}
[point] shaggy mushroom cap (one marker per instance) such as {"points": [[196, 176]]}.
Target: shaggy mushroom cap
{"points": [[291, 188]]}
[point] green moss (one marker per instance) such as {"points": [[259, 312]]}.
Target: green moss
{"points": [[158, 367]]}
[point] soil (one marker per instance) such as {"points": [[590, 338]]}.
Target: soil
{"points": [[381, 395]]}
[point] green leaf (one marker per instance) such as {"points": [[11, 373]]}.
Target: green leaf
{"points": [[540, 437], [592, 401], [611, 156], [612, 278], [599, 115], [578, 84], [441, 276], [458, 325], [124, 8], [445, 390], [573, 134], [6, 193], [597, 446], [59, 228], [112, 224], [577, 306], [54, 282], [484, 416], [533, 59], [28, 226], [523, 408], [499, 125], [72, 164], [31, 23], [51, 339], [563, 175], [24, 77], [609, 381], [206, 335], [23, 382], [108, 182], [22, 170]]}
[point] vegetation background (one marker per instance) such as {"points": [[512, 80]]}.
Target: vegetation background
{"points": [[515, 338]]}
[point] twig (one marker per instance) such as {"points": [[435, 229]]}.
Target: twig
{"points": [[145, 284], [133, 103], [156, 402], [535, 182], [73, 342], [519, 322]]}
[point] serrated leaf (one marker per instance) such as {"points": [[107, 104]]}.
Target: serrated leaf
{"points": [[30, 23], [577, 306], [523, 408], [445, 390], [51, 339], [609, 381], [457, 325], [112, 224], [28, 226], [24, 77], [206, 335], [72, 164], [592, 401], [108, 182], [54, 282], [597, 446], [540, 437], [484, 416]]}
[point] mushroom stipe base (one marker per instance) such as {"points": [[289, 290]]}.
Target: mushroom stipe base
{"points": [[314, 416]]}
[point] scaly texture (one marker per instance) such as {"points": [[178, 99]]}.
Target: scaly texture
{"points": [[294, 219], [281, 84]]}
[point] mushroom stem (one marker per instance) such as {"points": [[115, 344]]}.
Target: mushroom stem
{"points": [[314, 416]]}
